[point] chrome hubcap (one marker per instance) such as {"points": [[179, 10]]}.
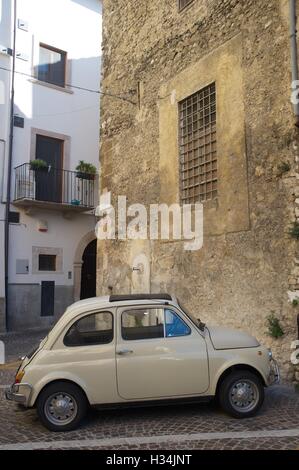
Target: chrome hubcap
{"points": [[61, 408], [244, 396]]}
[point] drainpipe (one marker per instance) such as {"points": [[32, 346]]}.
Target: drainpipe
{"points": [[9, 166], [294, 52]]}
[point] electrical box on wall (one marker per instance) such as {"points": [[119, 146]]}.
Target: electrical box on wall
{"points": [[5, 50], [42, 226], [19, 121], [23, 25], [22, 56], [22, 266]]}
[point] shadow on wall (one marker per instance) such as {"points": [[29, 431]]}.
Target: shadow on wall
{"points": [[91, 4], [5, 20], [55, 112]]}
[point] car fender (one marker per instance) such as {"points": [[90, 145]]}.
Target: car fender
{"points": [[235, 363], [53, 377]]}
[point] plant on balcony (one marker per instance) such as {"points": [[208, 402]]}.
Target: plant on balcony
{"points": [[38, 165], [75, 202], [86, 171]]}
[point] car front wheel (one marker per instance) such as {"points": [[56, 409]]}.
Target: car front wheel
{"points": [[61, 406], [241, 394]]}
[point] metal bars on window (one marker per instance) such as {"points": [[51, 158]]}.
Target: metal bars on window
{"points": [[197, 141]]}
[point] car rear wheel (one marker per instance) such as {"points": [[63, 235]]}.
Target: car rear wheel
{"points": [[241, 394], [61, 406]]}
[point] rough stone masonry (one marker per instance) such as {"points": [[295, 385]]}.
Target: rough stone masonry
{"points": [[156, 55]]}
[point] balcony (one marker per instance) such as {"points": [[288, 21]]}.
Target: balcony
{"points": [[51, 188]]}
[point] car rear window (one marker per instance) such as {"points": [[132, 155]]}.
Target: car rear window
{"points": [[93, 329]]}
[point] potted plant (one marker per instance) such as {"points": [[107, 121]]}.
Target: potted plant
{"points": [[75, 202], [86, 171], [38, 165]]}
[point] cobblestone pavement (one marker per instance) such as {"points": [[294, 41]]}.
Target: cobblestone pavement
{"points": [[184, 427], [167, 428]]}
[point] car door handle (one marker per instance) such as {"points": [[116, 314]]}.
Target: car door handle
{"points": [[123, 352]]}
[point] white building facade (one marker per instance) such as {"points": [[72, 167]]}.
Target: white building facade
{"points": [[52, 246]]}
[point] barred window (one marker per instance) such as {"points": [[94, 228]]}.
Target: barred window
{"points": [[47, 262], [184, 3], [198, 153]]}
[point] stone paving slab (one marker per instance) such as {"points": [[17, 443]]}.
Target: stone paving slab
{"points": [[289, 437], [230, 444]]}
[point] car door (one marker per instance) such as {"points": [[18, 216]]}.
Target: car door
{"points": [[159, 354], [85, 352]]}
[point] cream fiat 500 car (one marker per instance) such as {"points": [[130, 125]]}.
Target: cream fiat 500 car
{"points": [[139, 349]]}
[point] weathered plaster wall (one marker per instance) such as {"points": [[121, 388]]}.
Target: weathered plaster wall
{"points": [[25, 305], [2, 314], [247, 266]]}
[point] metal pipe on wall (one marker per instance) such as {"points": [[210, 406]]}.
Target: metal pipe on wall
{"points": [[9, 166], [294, 53]]}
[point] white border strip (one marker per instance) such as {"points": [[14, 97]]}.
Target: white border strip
{"points": [[127, 441]]}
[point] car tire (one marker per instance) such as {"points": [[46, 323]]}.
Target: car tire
{"points": [[241, 394], [61, 406]]}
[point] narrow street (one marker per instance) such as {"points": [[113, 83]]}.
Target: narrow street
{"points": [[168, 428], [149, 218]]}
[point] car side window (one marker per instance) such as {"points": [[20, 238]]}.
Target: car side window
{"points": [[174, 325], [147, 323], [90, 330]]}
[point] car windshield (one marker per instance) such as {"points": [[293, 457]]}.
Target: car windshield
{"points": [[191, 316]]}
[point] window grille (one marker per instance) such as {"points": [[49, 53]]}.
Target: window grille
{"points": [[47, 263], [198, 152]]}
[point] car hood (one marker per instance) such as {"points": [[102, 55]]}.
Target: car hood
{"points": [[225, 338]]}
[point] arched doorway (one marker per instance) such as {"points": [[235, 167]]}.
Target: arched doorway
{"points": [[89, 270]]}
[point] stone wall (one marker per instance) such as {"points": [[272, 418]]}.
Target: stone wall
{"points": [[154, 56]]}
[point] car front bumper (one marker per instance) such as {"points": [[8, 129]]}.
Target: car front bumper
{"points": [[19, 393], [274, 375]]}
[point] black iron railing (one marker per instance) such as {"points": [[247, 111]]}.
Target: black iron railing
{"points": [[55, 185]]}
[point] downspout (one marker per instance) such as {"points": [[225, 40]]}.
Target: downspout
{"points": [[294, 54], [294, 59], [9, 166]]}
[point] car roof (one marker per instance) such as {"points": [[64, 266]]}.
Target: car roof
{"points": [[120, 298], [106, 302], [92, 304], [117, 300]]}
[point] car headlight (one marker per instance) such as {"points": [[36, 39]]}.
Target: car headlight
{"points": [[270, 354]]}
